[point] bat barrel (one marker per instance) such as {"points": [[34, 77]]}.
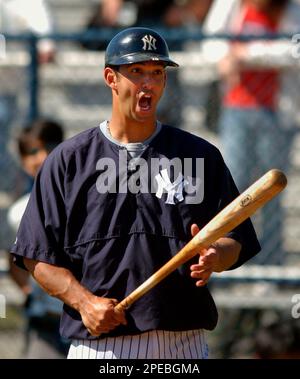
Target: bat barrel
{"points": [[253, 198]]}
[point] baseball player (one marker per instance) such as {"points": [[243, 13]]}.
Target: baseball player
{"points": [[114, 203]]}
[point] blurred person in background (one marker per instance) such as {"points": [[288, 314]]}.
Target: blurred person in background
{"points": [[170, 13], [252, 133], [277, 337], [182, 14], [42, 339], [17, 17], [121, 13]]}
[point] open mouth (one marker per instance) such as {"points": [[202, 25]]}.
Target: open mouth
{"points": [[145, 102]]}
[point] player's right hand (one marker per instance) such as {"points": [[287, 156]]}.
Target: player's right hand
{"points": [[99, 315]]}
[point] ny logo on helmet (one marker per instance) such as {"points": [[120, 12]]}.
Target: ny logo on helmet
{"points": [[149, 42]]}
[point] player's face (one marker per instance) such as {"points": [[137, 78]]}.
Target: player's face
{"points": [[139, 89]]}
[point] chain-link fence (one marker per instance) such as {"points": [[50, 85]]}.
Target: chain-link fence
{"points": [[72, 91]]}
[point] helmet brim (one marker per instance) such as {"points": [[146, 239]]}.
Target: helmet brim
{"points": [[140, 57]]}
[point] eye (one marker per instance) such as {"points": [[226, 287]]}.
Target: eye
{"points": [[136, 70], [158, 72]]}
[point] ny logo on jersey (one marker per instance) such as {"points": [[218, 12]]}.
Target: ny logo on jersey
{"points": [[149, 42], [174, 190]]}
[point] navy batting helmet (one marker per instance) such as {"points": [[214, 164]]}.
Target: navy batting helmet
{"points": [[135, 45]]}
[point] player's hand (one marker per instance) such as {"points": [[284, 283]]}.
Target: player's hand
{"points": [[208, 261], [99, 315]]}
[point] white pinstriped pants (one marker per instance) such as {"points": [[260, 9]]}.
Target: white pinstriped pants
{"points": [[156, 344]]}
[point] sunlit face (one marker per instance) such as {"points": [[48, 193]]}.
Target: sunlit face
{"points": [[138, 88], [35, 157]]}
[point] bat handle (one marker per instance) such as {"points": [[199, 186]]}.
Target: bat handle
{"points": [[123, 305]]}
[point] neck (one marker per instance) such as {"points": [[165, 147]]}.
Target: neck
{"points": [[127, 131]]}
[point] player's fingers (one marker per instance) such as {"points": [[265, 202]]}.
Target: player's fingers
{"points": [[197, 267], [100, 329], [194, 229], [115, 302], [208, 260], [203, 265], [120, 317], [204, 278], [201, 283], [94, 332], [203, 274], [197, 274]]}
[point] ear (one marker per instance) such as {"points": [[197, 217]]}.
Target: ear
{"points": [[110, 78], [165, 78]]}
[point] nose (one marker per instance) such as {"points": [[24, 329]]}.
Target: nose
{"points": [[148, 79]]}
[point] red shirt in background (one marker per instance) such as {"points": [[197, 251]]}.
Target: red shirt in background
{"points": [[256, 88]]}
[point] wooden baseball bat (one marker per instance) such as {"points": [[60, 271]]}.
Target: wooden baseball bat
{"points": [[256, 196]]}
